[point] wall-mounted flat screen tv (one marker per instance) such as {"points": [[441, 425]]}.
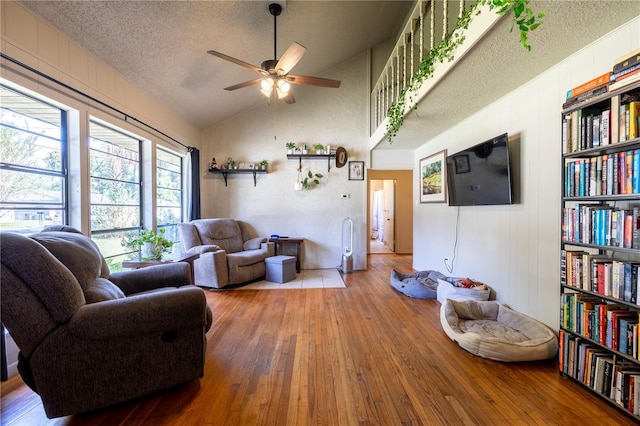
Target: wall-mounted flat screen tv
{"points": [[481, 174]]}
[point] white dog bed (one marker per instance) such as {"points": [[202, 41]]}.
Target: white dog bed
{"points": [[491, 330]]}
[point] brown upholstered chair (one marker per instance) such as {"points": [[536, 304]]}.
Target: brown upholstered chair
{"points": [[89, 339], [229, 253]]}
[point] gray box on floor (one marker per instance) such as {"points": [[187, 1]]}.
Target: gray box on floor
{"points": [[280, 269]]}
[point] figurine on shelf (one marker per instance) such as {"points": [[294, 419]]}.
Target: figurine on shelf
{"points": [[213, 165]]}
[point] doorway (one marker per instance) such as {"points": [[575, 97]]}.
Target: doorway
{"points": [[402, 204], [382, 220]]}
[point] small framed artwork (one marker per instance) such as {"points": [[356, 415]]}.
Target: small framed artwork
{"points": [[433, 178], [462, 163], [356, 170]]}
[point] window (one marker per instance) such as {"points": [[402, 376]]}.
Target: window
{"points": [[116, 200], [33, 163], [169, 200]]}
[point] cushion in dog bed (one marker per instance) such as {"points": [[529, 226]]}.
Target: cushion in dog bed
{"points": [[494, 331], [421, 284]]}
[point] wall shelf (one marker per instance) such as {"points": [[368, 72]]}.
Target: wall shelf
{"points": [[312, 157], [227, 172]]}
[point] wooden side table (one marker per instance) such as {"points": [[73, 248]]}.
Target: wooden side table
{"points": [[182, 257], [297, 241]]}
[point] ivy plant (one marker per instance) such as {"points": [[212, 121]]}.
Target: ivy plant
{"points": [[311, 178], [523, 17]]}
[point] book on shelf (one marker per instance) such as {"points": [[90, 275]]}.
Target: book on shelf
{"points": [[634, 120], [628, 60], [613, 324], [607, 376], [589, 85], [619, 364], [623, 386], [628, 79], [601, 359], [624, 326], [583, 97], [627, 72]]}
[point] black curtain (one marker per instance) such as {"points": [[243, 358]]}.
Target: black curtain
{"points": [[195, 184]]}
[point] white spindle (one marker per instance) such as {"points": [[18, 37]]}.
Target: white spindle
{"points": [[445, 20], [422, 11], [433, 24]]}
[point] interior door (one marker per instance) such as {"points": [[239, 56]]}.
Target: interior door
{"points": [[389, 213]]}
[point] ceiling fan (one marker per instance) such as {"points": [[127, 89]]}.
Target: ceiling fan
{"points": [[275, 73]]}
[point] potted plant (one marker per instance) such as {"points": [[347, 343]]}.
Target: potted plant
{"points": [[319, 148], [231, 163], [311, 178], [290, 146], [305, 150], [263, 164], [152, 245]]}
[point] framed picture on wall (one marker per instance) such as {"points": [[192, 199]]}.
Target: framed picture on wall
{"points": [[433, 178], [356, 170]]}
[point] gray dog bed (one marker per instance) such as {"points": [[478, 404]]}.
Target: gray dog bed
{"points": [[421, 284]]}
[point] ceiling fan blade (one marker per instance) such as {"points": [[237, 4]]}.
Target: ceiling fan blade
{"points": [[290, 58], [237, 61], [245, 84], [313, 81], [289, 99]]}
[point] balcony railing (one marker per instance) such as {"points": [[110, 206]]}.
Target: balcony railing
{"points": [[429, 23]]}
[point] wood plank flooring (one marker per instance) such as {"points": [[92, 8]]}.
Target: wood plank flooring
{"points": [[364, 355]]}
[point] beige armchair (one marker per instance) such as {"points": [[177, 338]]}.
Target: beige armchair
{"points": [[229, 251]]}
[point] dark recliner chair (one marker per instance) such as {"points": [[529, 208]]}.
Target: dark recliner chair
{"points": [[89, 339]]}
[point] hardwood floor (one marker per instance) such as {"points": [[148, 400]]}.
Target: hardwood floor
{"points": [[364, 355]]}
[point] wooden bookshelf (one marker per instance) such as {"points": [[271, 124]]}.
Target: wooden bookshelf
{"points": [[600, 247]]}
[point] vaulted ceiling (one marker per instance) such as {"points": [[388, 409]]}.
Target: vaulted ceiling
{"points": [[161, 46]]}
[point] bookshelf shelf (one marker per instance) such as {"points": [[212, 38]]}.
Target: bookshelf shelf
{"points": [[600, 247]]}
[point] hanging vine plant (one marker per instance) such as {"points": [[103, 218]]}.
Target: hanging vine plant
{"points": [[523, 17]]}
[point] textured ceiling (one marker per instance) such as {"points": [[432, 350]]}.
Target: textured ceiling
{"points": [[498, 64], [161, 45]]}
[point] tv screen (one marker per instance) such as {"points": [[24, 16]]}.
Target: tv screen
{"points": [[481, 174]]}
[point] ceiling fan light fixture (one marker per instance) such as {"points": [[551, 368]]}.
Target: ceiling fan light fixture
{"points": [[283, 86], [267, 84], [275, 72]]}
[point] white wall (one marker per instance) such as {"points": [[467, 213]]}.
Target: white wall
{"points": [[515, 249], [320, 115]]}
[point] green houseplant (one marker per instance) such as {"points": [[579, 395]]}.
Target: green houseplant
{"points": [[263, 164], [311, 178], [524, 19], [152, 245], [319, 148], [290, 146]]}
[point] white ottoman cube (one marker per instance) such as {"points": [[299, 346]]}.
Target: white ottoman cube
{"points": [[280, 269]]}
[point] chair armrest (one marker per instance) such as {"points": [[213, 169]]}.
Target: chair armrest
{"points": [[166, 275], [144, 314], [270, 247], [204, 249]]}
